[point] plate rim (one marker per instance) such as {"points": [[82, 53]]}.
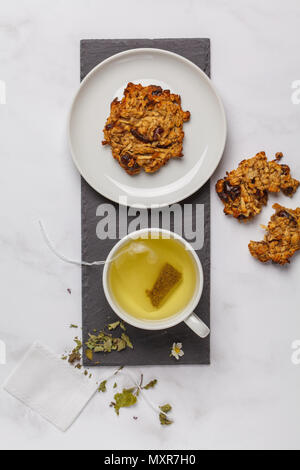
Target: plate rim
{"points": [[181, 59]]}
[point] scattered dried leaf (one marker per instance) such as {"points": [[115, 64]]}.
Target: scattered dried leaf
{"points": [[150, 385], [120, 343], [75, 354], [124, 399], [89, 354], [127, 340], [166, 408], [164, 420], [102, 386], [113, 326]]}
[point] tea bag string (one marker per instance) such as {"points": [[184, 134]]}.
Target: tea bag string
{"points": [[134, 248], [61, 256]]}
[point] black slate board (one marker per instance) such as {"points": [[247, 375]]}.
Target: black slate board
{"points": [[150, 348]]}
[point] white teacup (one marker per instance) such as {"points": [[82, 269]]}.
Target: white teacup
{"points": [[187, 314]]}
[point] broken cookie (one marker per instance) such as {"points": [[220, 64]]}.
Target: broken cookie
{"points": [[244, 191], [282, 239], [145, 128]]}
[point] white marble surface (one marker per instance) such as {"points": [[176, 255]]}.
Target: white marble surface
{"points": [[249, 396]]}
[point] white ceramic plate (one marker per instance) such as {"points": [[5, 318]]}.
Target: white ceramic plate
{"points": [[205, 134]]}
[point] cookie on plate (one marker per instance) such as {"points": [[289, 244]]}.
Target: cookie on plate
{"points": [[282, 239], [244, 191], [145, 128]]}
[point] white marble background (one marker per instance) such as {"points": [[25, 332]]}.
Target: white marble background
{"points": [[250, 396]]}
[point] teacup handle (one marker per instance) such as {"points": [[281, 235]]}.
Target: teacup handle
{"points": [[197, 325]]}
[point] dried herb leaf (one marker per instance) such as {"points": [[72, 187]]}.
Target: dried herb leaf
{"points": [[127, 340], [73, 357], [166, 408], [150, 385], [75, 354], [121, 344], [122, 325], [102, 386], [73, 326], [115, 385], [113, 326], [124, 400], [164, 420], [89, 354], [107, 344], [79, 343]]}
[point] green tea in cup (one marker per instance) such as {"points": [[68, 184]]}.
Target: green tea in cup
{"points": [[152, 278]]}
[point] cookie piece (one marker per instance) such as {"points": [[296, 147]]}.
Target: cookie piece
{"points": [[282, 239], [145, 128], [244, 191]]}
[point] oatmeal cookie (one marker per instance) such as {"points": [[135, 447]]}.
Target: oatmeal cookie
{"points": [[145, 128], [282, 239], [244, 191]]}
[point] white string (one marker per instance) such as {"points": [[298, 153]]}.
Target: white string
{"points": [[134, 249], [62, 257], [149, 402]]}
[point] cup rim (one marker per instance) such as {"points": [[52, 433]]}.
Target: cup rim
{"points": [[165, 322]]}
